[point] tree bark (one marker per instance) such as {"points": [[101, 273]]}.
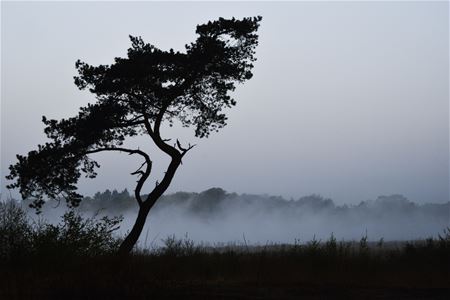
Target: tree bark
{"points": [[131, 239]]}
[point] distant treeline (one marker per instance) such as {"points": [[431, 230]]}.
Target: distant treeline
{"points": [[216, 201], [215, 215]]}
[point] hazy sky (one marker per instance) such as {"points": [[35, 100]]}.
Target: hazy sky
{"points": [[348, 100]]}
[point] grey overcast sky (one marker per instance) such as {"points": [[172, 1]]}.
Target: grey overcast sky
{"points": [[349, 100]]}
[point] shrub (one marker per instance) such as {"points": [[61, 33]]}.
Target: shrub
{"points": [[15, 231], [76, 235], [73, 235], [179, 247]]}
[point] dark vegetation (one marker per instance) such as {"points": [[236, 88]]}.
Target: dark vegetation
{"points": [[75, 259], [74, 235]]}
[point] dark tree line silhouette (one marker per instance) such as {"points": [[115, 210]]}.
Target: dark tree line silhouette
{"points": [[216, 202]]}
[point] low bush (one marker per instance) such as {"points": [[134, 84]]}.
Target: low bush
{"points": [[16, 233], [73, 235]]}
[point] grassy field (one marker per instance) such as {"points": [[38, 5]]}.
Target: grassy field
{"points": [[181, 270], [75, 260]]}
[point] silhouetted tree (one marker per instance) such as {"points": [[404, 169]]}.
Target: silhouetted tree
{"points": [[135, 95]]}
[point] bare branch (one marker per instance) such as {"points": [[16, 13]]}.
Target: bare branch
{"points": [[141, 181], [182, 149], [138, 171], [188, 148], [179, 146], [129, 151], [144, 175]]}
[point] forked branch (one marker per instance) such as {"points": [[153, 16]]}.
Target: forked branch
{"points": [[144, 174], [182, 149]]}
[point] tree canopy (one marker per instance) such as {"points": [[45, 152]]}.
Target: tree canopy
{"points": [[135, 95]]}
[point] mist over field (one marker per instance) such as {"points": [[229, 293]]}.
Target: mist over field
{"points": [[216, 217]]}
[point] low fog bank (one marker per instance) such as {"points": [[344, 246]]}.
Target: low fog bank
{"points": [[217, 217]]}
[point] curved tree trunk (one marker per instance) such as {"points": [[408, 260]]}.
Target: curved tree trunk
{"points": [[131, 239]]}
